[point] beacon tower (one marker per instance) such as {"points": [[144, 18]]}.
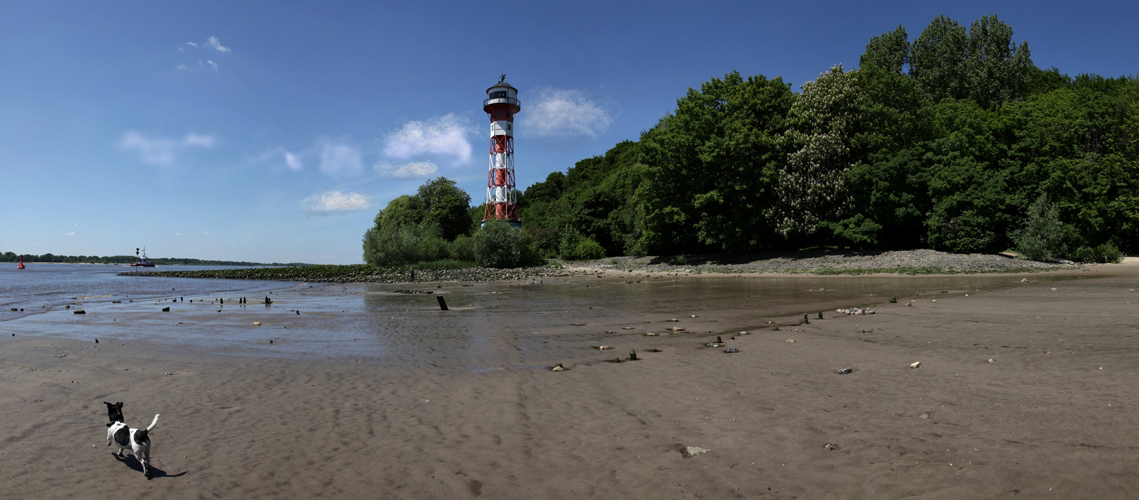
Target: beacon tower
{"points": [[501, 104]]}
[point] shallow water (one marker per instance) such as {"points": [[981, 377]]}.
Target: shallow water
{"points": [[490, 325], [41, 287]]}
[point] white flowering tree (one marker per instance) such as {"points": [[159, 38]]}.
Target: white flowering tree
{"points": [[811, 187]]}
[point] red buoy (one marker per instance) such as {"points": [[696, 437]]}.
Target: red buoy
{"points": [[21, 262]]}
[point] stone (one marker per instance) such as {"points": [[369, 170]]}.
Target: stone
{"points": [[731, 350], [691, 451], [256, 323], [845, 371], [915, 364], [557, 368], [830, 447], [790, 341]]}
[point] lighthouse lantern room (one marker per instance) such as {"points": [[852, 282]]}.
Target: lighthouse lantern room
{"points": [[501, 104]]}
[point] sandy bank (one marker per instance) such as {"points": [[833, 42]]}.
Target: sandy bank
{"points": [[1052, 416]]}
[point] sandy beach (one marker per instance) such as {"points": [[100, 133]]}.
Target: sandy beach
{"points": [[1027, 391]]}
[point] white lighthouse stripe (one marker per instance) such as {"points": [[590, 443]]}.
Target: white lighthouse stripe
{"points": [[501, 127]]}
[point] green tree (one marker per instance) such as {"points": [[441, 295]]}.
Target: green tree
{"points": [[937, 59], [889, 51], [712, 167], [444, 205]]}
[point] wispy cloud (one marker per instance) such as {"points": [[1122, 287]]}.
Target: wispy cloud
{"points": [[213, 42], [72, 233], [560, 112], [195, 51], [340, 159], [162, 151], [413, 170], [293, 161], [445, 136], [330, 202]]}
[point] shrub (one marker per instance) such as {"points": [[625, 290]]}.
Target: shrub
{"points": [[1084, 254], [498, 244], [586, 249], [463, 248], [1043, 235], [1107, 253]]}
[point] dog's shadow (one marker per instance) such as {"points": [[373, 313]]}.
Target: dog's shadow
{"points": [[155, 472]]}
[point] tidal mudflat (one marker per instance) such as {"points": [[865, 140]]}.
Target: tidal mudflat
{"points": [[373, 392]]}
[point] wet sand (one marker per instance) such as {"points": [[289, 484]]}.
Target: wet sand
{"points": [[1052, 416]]}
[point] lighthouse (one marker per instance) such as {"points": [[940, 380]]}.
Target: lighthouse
{"points": [[501, 105]]}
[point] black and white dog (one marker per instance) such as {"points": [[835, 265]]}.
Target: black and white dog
{"points": [[114, 412], [137, 439]]}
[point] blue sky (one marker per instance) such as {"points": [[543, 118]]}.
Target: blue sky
{"points": [[274, 131]]}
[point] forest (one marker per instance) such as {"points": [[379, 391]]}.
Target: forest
{"points": [[953, 141]]}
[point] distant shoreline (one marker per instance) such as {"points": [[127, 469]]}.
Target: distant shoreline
{"points": [[907, 262]]}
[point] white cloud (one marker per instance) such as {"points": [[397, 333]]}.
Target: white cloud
{"points": [[177, 234], [418, 169], [213, 42], [559, 112], [339, 159], [181, 67], [70, 234], [446, 136], [334, 201], [214, 64], [162, 150], [192, 44], [293, 161]]}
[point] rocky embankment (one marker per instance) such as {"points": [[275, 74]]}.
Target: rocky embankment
{"points": [[896, 262], [362, 273]]}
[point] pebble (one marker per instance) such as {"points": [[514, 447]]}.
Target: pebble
{"points": [[691, 451], [915, 364]]}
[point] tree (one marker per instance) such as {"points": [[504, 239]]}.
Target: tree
{"points": [[811, 190], [983, 64], [444, 205], [889, 51], [711, 167], [996, 70], [937, 59]]}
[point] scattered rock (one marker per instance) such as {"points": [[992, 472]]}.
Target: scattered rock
{"points": [[830, 447], [790, 341], [256, 323], [924, 416], [558, 368], [894, 300], [744, 333], [915, 364], [1053, 289], [990, 360], [165, 309], [604, 347], [714, 344], [80, 311], [691, 451], [731, 350], [845, 371]]}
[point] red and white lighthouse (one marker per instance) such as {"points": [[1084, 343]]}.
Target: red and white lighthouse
{"points": [[501, 104]]}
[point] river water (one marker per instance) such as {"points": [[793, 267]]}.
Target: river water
{"points": [[495, 325], [44, 286]]}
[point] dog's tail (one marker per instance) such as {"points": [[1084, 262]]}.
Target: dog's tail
{"points": [[154, 423]]}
